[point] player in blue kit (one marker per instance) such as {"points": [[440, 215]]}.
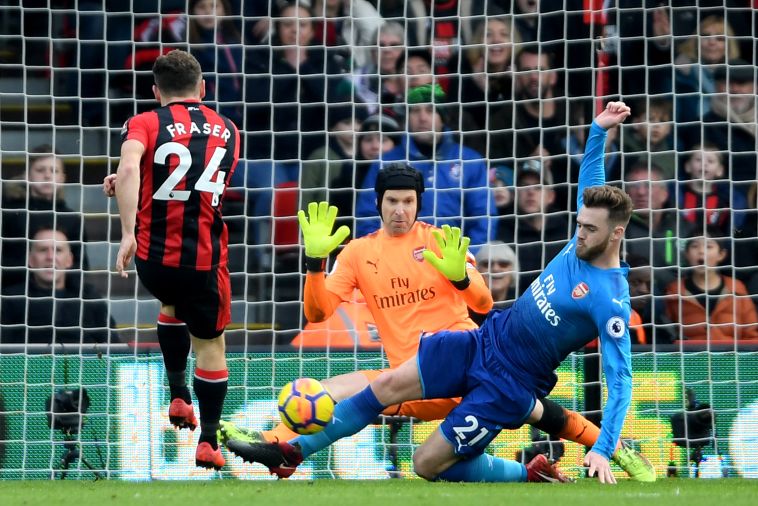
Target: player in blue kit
{"points": [[504, 368]]}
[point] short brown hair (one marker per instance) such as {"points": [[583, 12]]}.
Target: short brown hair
{"points": [[177, 72], [42, 151], [618, 203]]}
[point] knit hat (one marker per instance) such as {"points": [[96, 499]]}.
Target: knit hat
{"points": [[533, 167], [426, 94], [429, 94]]}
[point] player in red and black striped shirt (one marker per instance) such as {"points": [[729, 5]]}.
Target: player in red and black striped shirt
{"points": [[176, 162]]}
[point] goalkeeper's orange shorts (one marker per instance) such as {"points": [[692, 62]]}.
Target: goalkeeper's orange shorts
{"points": [[427, 410]]}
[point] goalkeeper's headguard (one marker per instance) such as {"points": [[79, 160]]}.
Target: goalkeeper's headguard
{"points": [[398, 176]]}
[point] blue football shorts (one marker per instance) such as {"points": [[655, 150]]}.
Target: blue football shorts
{"points": [[459, 363]]}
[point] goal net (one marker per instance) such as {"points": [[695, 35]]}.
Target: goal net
{"points": [[490, 99]]}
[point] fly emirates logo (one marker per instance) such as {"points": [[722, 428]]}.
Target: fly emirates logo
{"points": [[540, 291], [402, 294]]}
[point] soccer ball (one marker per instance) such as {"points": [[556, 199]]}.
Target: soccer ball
{"points": [[305, 406]]}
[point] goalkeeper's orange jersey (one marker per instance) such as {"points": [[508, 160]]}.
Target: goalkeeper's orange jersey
{"points": [[405, 294]]}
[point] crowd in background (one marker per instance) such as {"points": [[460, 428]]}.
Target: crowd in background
{"points": [[490, 100]]}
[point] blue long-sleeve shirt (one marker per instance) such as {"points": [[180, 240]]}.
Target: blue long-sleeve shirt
{"points": [[571, 303], [456, 193]]}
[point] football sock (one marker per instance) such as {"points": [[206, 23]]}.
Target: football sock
{"points": [[579, 429], [210, 390], [279, 433], [350, 416], [484, 468], [174, 341]]}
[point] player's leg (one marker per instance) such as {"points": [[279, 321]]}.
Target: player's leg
{"points": [[174, 341], [339, 387], [173, 338], [207, 311], [436, 459], [427, 410], [359, 410], [210, 385], [350, 416], [455, 451]]}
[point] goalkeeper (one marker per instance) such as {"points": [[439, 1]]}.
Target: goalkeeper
{"points": [[407, 298]]}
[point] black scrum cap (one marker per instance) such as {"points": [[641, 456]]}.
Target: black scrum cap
{"points": [[398, 176]]}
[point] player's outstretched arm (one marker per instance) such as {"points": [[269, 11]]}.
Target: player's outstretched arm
{"points": [[613, 115], [319, 242], [592, 170]]}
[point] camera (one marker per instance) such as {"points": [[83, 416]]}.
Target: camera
{"points": [[693, 429], [65, 409]]}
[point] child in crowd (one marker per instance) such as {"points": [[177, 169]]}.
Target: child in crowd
{"points": [[708, 304], [705, 199], [649, 134]]}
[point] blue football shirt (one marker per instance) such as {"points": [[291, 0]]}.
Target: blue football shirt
{"points": [[567, 306]]}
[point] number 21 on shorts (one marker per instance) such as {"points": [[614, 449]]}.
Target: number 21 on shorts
{"points": [[471, 434]]}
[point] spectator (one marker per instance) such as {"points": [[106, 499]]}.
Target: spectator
{"points": [[501, 186], [696, 63], [53, 307], [40, 196], [746, 244], [216, 43], [414, 69], [705, 199], [707, 304], [298, 84], [436, 24], [497, 263], [731, 123], [649, 135], [540, 126], [328, 163], [486, 88], [456, 176], [349, 25], [652, 324], [645, 46], [376, 83], [527, 19], [154, 36], [379, 134], [537, 228], [654, 230]]}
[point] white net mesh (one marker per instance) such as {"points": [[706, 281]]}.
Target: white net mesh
{"points": [[319, 91]]}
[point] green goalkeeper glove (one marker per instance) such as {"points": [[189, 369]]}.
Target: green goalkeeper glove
{"points": [[454, 248], [317, 230]]}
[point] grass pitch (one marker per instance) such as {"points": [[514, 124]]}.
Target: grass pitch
{"points": [[689, 492]]}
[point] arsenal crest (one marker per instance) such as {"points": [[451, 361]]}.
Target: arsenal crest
{"points": [[580, 290], [418, 254]]}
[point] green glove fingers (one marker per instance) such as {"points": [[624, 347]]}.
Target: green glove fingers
{"points": [[453, 248], [317, 230]]}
